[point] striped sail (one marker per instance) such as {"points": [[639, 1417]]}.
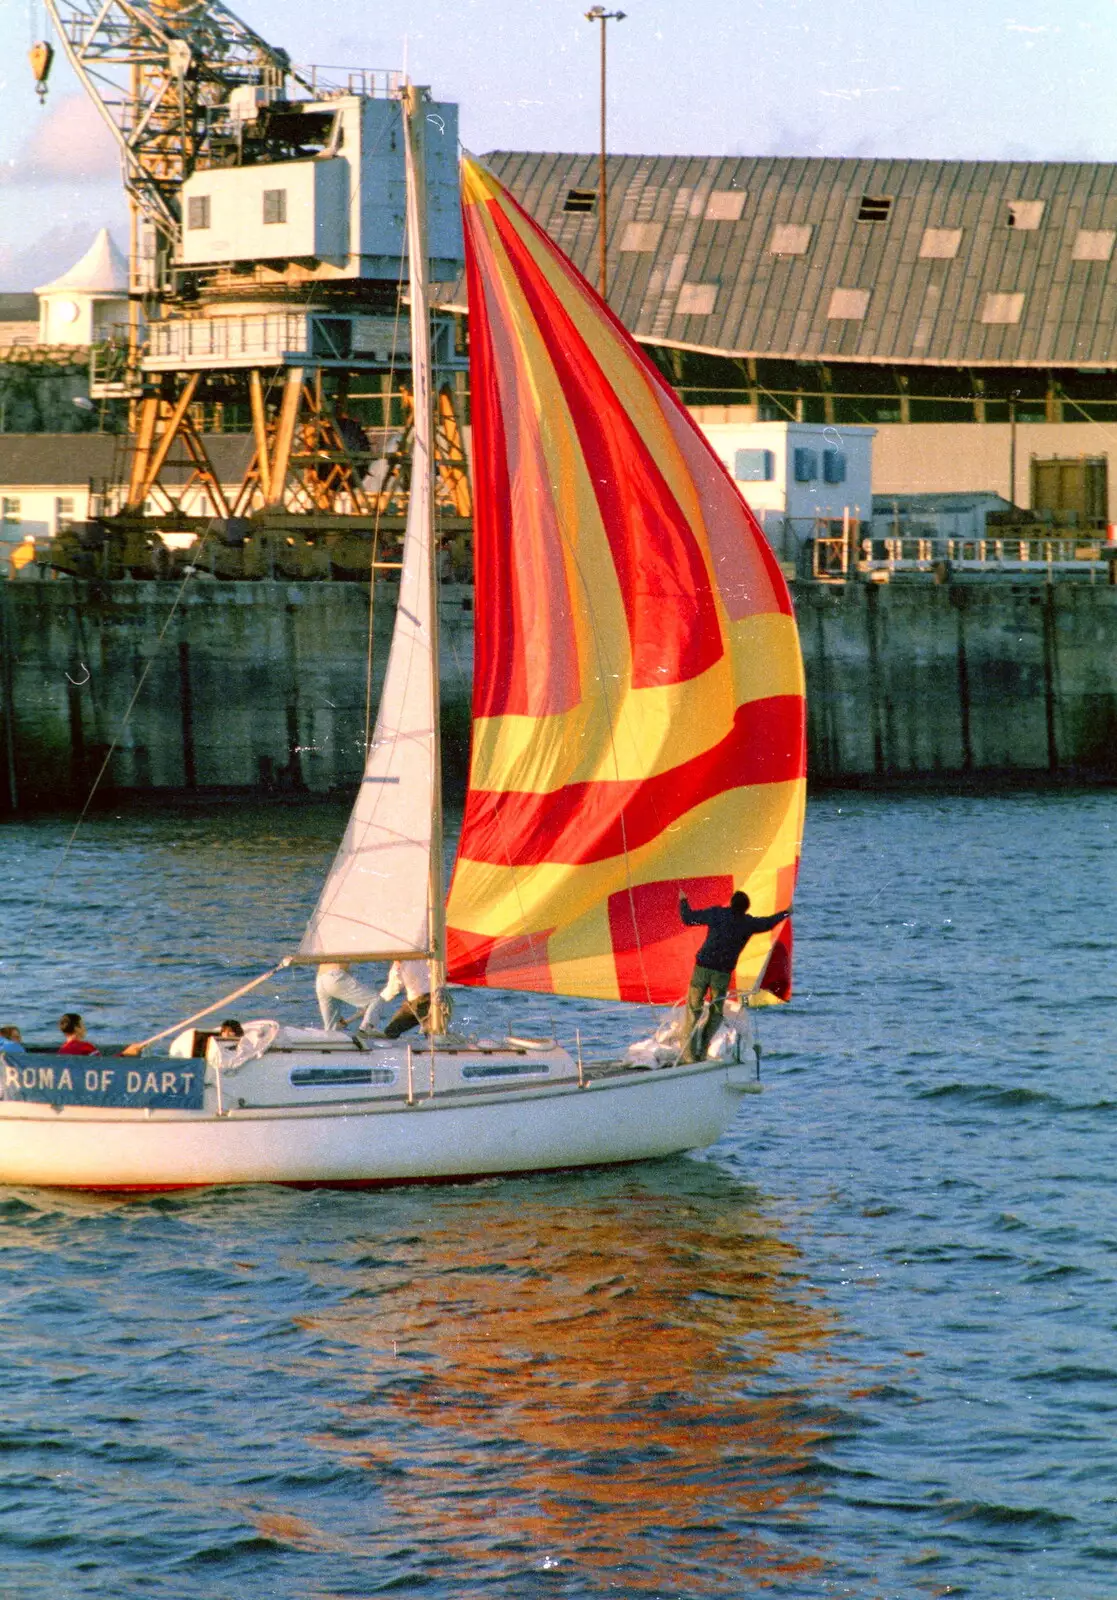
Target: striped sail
{"points": [[638, 693]]}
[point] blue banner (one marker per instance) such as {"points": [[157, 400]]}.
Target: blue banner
{"points": [[135, 1085]]}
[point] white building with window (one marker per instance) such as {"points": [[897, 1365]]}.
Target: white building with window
{"points": [[794, 474], [45, 482], [90, 301], [49, 481]]}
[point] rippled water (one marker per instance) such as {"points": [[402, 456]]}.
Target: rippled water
{"points": [[864, 1347]]}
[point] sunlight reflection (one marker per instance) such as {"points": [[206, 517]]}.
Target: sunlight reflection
{"points": [[623, 1378]]}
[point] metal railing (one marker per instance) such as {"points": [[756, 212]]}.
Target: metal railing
{"points": [[1033, 553], [245, 338], [380, 83]]}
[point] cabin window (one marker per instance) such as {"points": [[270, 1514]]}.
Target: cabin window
{"points": [[580, 200], [874, 208], [940, 244], [696, 299], [1002, 308], [790, 239], [754, 466], [1093, 244], [806, 465], [197, 211], [833, 466], [505, 1069], [725, 205], [1024, 214], [275, 205], [10, 509], [334, 1077], [848, 305], [63, 512]]}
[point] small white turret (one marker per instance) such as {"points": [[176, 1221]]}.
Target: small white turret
{"points": [[89, 301]]}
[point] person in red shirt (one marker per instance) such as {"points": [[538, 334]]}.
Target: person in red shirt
{"points": [[73, 1029]]}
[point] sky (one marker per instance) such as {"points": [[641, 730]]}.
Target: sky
{"points": [[956, 79]]}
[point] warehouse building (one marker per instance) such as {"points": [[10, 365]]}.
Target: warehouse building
{"points": [[967, 310]]}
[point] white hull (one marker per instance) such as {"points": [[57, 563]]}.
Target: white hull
{"points": [[623, 1115]]}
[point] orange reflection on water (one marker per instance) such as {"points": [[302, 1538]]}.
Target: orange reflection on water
{"points": [[591, 1378]]}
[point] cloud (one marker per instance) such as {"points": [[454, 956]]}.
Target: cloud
{"points": [[69, 144]]}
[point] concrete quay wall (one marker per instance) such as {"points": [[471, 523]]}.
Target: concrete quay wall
{"points": [[918, 681], [250, 686], [260, 687]]}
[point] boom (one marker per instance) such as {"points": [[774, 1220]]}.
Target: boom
{"points": [[161, 73]]}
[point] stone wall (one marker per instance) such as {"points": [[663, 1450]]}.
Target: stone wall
{"points": [[261, 686], [228, 686], [907, 681]]}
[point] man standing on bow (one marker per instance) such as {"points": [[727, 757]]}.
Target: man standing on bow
{"points": [[731, 928]]}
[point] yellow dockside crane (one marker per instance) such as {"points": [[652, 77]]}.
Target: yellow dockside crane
{"points": [[264, 292]]}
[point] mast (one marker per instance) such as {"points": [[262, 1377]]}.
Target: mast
{"points": [[422, 484]]}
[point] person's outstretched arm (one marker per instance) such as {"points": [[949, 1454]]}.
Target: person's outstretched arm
{"points": [[762, 924]]}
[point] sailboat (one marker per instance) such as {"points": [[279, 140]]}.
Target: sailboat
{"points": [[638, 731]]}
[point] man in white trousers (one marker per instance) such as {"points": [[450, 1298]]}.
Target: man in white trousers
{"points": [[337, 989]]}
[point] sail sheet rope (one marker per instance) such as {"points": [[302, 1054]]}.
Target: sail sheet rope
{"points": [[226, 999]]}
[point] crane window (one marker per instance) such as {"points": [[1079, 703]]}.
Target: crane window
{"points": [[197, 211], [275, 205]]}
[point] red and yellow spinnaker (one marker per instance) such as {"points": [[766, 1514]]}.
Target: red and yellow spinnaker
{"points": [[638, 689]]}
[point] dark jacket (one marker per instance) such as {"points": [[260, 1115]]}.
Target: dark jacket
{"points": [[729, 933]]}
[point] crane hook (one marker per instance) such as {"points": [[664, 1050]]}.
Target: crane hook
{"points": [[42, 54]]}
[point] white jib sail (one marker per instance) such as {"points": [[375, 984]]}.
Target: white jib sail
{"points": [[376, 900]]}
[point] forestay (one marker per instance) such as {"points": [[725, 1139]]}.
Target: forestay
{"points": [[638, 688]]}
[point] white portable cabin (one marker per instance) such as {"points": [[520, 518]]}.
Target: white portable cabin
{"points": [[796, 474]]}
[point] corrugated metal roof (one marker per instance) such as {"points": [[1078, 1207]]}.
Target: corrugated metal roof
{"points": [[974, 263], [19, 308], [55, 458]]}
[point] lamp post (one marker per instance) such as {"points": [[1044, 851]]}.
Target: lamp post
{"points": [[599, 14]]}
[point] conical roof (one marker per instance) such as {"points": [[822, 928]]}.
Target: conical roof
{"points": [[101, 270]]}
